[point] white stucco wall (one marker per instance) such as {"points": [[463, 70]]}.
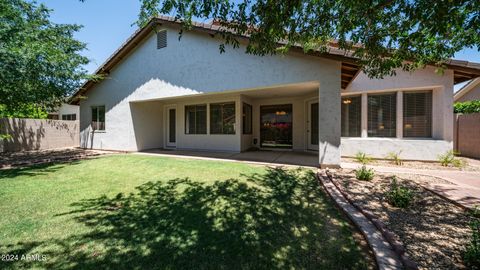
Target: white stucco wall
{"points": [[442, 115], [193, 65], [409, 149]]}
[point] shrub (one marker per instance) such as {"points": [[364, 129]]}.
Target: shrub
{"points": [[364, 174], [471, 256], [467, 107], [399, 196], [363, 158], [449, 159], [395, 158]]}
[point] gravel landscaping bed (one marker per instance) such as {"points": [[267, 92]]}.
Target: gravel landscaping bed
{"points": [[424, 165], [433, 230]]}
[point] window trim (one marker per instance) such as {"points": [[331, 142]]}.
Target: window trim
{"points": [[104, 117], [251, 118], [186, 115], [210, 117]]}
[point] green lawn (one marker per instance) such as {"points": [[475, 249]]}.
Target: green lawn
{"points": [[142, 212]]}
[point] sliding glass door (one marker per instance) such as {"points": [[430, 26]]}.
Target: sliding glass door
{"points": [[276, 126]]}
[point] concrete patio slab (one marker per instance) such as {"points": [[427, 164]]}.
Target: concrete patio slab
{"points": [[277, 158]]}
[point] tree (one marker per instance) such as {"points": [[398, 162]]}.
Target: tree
{"points": [[40, 61], [383, 34]]}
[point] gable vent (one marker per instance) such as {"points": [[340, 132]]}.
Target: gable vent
{"points": [[162, 39]]}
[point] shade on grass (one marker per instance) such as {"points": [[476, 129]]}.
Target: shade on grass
{"points": [[131, 211]]}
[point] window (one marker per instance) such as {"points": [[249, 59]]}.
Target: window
{"points": [[69, 117], [247, 118], [98, 118], [417, 114], [382, 115], [314, 123], [196, 119], [351, 116], [172, 125], [162, 39], [222, 118]]}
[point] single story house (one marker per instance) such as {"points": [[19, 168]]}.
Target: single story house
{"points": [[469, 92], [164, 92]]}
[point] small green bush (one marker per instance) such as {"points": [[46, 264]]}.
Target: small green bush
{"points": [[395, 158], [363, 158], [467, 107], [471, 256], [399, 196], [449, 159], [364, 174]]}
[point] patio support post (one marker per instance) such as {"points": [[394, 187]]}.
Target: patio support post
{"points": [[329, 124]]}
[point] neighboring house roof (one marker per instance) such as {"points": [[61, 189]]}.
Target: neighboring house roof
{"points": [[466, 89], [463, 70]]}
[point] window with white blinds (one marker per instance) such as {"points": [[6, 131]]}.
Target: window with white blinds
{"points": [[417, 114], [351, 116], [382, 115]]}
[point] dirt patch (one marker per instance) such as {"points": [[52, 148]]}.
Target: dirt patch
{"points": [[28, 158], [471, 165], [433, 230]]}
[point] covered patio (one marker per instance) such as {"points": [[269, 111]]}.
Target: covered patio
{"points": [[272, 124], [304, 159]]}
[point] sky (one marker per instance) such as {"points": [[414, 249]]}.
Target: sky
{"points": [[108, 23]]}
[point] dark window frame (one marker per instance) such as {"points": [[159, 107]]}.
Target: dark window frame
{"points": [[224, 130], [244, 104], [195, 119]]}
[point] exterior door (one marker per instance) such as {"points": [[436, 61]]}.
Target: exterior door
{"points": [[312, 125], [171, 126], [276, 129]]}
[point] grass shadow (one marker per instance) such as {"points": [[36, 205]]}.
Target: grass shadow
{"points": [[280, 219], [36, 169]]}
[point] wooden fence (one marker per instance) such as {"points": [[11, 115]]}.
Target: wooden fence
{"points": [[38, 134], [466, 134]]}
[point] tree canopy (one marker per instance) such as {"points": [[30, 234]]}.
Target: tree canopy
{"points": [[384, 34], [40, 61]]}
